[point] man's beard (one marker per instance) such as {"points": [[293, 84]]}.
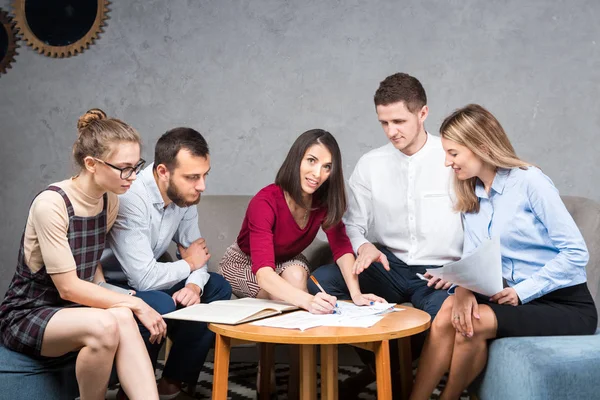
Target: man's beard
{"points": [[178, 198]]}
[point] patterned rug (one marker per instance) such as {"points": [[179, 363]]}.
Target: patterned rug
{"points": [[242, 382]]}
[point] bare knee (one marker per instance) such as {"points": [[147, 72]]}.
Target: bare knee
{"points": [[103, 332], [483, 330], [443, 319], [124, 317], [296, 275]]}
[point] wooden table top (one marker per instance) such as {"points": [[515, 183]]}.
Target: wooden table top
{"points": [[407, 322]]}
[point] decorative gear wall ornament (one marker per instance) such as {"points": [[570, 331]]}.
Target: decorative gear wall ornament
{"points": [[8, 41], [60, 28]]}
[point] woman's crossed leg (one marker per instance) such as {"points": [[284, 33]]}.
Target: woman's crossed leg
{"points": [[102, 336]]}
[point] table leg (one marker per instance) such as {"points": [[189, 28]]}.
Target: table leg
{"points": [[267, 364], [308, 372], [294, 377], [221, 373], [382, 370], [329, 372], [406, 375]]}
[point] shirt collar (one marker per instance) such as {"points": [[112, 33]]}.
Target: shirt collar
{"points": [[147, 178], [421, 151], [497, 185]]}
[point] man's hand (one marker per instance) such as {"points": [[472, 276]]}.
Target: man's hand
{"points": [[437, 283], [506, 296], [196, 255], [366, 299], [188, 296], [367, 255]]}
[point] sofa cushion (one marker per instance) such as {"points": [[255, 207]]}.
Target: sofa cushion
{"points": [[24, 377], [541, 368]]}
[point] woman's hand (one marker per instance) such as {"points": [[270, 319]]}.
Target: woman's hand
{"points": [[465, 306], [506, 296], [321, 303], [366, 299], [152, 320]]}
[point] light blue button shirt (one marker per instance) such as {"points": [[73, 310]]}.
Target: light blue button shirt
{"points": [[542, 248], [143, 231]]}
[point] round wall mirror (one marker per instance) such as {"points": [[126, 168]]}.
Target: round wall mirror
{"points": [[8, 41], [60, 28]]}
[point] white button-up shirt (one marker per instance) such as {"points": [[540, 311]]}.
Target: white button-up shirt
{"points": [[404, 203], [142, 233]]}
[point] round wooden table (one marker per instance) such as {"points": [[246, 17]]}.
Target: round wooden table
{"points": [[397, 325]]}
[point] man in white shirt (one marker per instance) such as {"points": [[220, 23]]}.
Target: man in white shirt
{"points": [[399, 198], [160, 208]]}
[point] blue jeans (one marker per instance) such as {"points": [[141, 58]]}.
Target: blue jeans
{"points": [[191, 340], [398, 285]]}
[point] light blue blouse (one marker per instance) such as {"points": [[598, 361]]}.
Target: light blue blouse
{"points": [[542, 248]]}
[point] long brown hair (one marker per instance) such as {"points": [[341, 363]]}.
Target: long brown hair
{"points": [[332, 193], [478, 130]]}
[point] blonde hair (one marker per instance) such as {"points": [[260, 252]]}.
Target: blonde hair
{"points": [[97, 132], [478, 130]]}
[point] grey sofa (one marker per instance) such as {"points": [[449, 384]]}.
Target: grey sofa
{"points": [[22, 377], [533, 368], [518, 368]]}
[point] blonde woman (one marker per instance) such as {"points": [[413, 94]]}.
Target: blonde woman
{"points": [[54, 304], [543, 256]]}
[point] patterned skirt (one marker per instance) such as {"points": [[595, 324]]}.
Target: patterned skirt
{"points": [[236, 267]]}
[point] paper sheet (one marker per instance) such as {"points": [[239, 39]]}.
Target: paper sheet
{"points": [[351, 310], [351, 316], [480, 271]]}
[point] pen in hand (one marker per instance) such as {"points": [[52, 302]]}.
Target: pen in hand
{"points": [[336, 310]]}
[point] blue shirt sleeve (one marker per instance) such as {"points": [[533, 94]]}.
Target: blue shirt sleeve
{"points": [[563, 234], [187, 233], [130, 241]]}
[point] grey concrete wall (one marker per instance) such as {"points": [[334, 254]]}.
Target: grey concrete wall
{"points": [[252, 75]]}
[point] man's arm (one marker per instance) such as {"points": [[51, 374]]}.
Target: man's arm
{"points": [[187, 233], [358, 215], [130, 241], [358, 218]]}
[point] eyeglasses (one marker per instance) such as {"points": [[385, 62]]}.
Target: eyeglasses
{"points": [[127, 171]]}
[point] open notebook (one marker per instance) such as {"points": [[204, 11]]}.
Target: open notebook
{"points": [[231, 312]]}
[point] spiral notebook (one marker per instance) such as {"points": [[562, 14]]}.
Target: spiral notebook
{"points": [[231, 312]]}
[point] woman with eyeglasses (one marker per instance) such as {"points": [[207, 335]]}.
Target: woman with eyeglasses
{"points": [[56, 304]]}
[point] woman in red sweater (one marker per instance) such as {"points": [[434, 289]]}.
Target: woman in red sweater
{"points": [[283, 218]]}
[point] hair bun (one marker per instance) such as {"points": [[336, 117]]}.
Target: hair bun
{"points": [[95, 114]]}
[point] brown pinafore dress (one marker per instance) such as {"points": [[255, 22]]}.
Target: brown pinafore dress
{"points": [[32, 299]]}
